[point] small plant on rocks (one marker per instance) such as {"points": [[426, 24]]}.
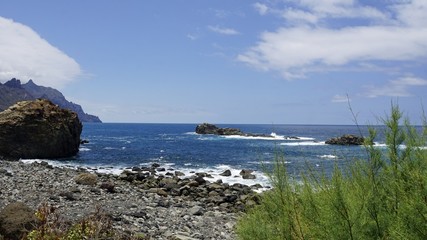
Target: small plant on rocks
{"points": [[52, 227]]}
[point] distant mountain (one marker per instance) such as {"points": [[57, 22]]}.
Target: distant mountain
{"points": [[13, 91]]}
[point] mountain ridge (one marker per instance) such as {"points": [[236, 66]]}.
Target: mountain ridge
{"points": [[13, 91]]}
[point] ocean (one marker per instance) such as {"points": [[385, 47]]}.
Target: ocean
{"points": [[114, 147]]}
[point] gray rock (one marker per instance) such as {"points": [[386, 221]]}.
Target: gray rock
{"points": [[196, 210], [226, 173]]}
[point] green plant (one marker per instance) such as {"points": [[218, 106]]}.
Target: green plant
{"points": [[381, 197]]}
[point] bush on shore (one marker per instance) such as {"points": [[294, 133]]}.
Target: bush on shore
{"points": [[381, 197], [98, 225]]}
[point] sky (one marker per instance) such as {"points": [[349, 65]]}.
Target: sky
{"points": [[241, 61]]}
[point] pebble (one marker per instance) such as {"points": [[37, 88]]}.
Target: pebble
{"points": [[182, 210]]}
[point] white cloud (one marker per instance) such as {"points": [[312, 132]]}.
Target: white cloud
{"points": [[412, 13], [396, 88], [25, 55], [340, 99], [341, 9], [261, 8], [224, 31], [296, 16], [192, 36], [294, 51]]}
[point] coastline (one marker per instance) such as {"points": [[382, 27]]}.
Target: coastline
{"points": [[142, 201]]}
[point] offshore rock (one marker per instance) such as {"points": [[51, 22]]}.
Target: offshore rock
{"points": [[207, 128], [39, 129], [347, 139]]}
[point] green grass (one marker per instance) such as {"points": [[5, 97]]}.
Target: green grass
{"points": [[381, 197]]}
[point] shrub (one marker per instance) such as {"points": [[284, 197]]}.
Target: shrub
{"points": [[381, 197], [51, 226]]}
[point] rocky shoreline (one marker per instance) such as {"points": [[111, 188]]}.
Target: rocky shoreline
{"points": [[159, 206]]}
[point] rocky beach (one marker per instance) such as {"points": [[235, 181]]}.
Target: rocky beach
{"points": [[156, 203]]}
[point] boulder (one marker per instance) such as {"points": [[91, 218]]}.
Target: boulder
{"points": [[226, 173], [347, 139], [16, 219], [39, 129], [247, 174]]}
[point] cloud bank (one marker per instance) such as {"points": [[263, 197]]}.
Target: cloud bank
{"points": [[25, 55], [329, 34], [395, 88]]}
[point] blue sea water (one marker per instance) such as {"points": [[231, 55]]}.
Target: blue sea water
{"points": [[113, 147]]}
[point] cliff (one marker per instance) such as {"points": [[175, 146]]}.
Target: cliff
{"points": [[13, 91]]}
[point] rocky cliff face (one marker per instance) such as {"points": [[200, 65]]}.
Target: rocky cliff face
{"points": [[10, 93], [13, 91], [39, 129]]}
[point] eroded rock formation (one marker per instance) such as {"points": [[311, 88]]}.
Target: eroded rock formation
{"points": [[38, 129]]}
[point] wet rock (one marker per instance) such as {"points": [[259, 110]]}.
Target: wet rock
{"points": [[200, 180], [226, 173], [247, 174]]}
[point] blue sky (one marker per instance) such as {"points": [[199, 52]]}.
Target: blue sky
{"points": [[275, 61]]}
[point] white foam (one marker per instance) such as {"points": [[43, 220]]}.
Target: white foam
{"points": [[188, 169], [235, 177], [83, 149], [302, 138], [305, 143], [384, 145], [328, 156], [116, 170], [273, 135], [191, 133]]}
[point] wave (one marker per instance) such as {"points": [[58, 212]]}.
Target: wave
{"points": [[83, 149], [384, 145], [191, 133], [328, 156], [114, 148], [235, 177], [272, 136], [305, 143]]}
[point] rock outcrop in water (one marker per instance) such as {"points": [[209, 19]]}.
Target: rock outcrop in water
{"points": [[207, 128], [347, 139], [39, 129]]}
